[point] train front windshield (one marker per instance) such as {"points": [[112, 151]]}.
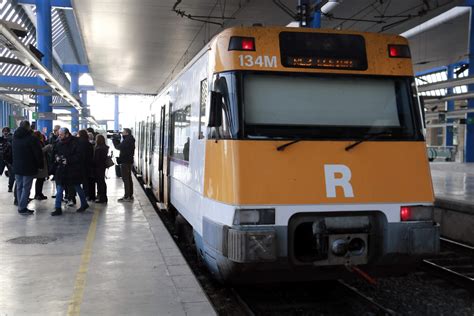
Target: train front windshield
{"points": [[327, 107]]}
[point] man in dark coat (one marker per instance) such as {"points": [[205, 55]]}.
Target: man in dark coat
{"points": [[87, 151], [53, 136], [127, 151], [6, 156], [69, 160], [27, 160]]}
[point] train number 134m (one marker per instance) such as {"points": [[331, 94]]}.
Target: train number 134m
{"points": [[260, 61]]}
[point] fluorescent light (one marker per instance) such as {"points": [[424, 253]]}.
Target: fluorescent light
{"points": [[329, 6], [437, 21]]}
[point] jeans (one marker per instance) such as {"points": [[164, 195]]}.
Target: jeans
{"points": [[23, 187], [126, 169], [2, 166], [59, 195]]}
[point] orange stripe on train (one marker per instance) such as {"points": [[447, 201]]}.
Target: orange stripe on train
{"points": [[314, 172]]}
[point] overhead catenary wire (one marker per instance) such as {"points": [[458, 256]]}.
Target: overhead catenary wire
{"points": [[200, 18]]}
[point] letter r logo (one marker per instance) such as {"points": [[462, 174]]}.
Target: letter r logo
{"points": [[344, 176]]}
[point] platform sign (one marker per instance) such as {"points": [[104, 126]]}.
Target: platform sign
{"points": [[46, 116]]}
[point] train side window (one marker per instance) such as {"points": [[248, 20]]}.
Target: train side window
{"points": [[181, 133], [226, 85], [202, 108]]}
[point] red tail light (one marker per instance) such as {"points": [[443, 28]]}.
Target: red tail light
{"points": [[242, 43], [405, 213], [399, 51]]}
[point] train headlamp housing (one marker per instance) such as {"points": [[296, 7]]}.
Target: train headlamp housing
{"points": [[416, 213], [262, 216], [242, 43]]}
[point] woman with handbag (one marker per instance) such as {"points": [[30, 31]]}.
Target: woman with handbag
{"points": [[100, 165], [42, 173]]}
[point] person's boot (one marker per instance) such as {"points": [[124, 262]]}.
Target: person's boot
{"points": [[57, 212], [82, 208]]}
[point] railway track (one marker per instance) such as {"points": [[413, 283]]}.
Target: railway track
{"points": [[455, 263], [315, 298]]}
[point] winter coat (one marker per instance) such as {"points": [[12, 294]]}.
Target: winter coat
{"points": [[86, 150], [43, 173], [126, 147], [6, 148], [100, 155], [27, 155], [69, 173]]}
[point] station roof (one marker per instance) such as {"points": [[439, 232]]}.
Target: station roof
{"points": [[138, 46]]}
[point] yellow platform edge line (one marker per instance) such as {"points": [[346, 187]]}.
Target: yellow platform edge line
{"points": [[74, 308]]}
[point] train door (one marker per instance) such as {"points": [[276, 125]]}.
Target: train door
{"points": [[151, 146], [146, 153], [163, 162], [140, 151]]}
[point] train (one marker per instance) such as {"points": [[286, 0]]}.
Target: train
{"points": [[293, 154]]}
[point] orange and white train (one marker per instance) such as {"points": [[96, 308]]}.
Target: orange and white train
{"points": [[294, 154]]}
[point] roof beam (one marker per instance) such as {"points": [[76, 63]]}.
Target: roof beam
{"points": [[21, 82], [19, 48], [446, 84], [76, 68], [64, 4]]}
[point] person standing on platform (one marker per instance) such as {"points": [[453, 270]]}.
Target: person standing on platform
{"points": [[42, 173], [3, 144], [87, 151], [68, 169], [53, 140], [7, 156], [125, 159], [53, 136], [27, 160], [100, 156]]}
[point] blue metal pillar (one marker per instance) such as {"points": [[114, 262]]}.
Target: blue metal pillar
{"points": [[116, 113], [45, 44], [469, 136], [316, 17], [449, 107], [75, 91], [2, 114], [84, 102]]}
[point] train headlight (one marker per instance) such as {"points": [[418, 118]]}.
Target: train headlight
{"points": [[416, 213], [262, 216]]}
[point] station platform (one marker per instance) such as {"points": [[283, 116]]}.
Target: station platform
{"points": [[114, 259], [454, 199]]}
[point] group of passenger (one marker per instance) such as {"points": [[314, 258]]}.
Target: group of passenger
{"points": [[77, 163]]}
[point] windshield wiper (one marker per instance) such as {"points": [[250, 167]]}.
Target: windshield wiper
{"points": [[282, 147], [368, 137]]}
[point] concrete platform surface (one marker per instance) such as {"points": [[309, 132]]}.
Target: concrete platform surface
{"points": [[453, 182], [115, 259]]}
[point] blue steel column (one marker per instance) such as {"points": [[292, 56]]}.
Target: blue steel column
{"points": [[84, 101], [2, 118], [116, 113], [45, 44], [469, 136], [75, 91], [449, 107], [316, 17]]}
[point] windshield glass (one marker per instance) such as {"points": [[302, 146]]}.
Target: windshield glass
{"points": [[326, 106]]}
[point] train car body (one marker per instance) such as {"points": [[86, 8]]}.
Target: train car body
{"points": [[294, 154]]}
